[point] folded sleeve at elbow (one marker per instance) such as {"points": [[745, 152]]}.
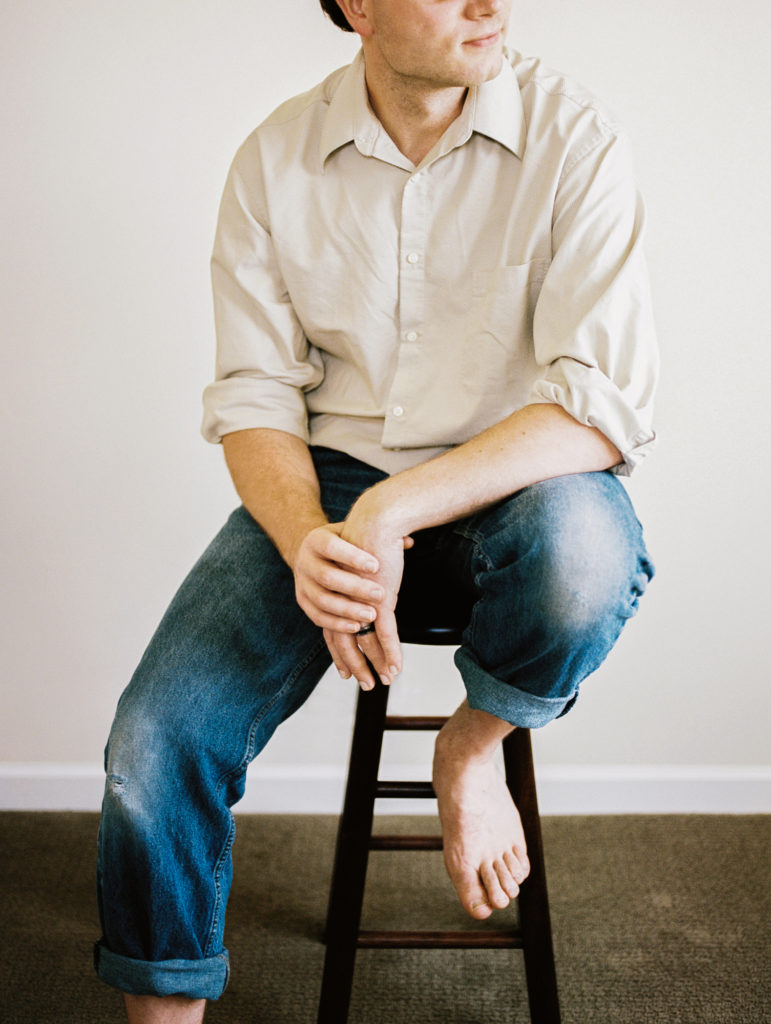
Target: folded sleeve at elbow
{"points": [[594, 400], [245, 403]]}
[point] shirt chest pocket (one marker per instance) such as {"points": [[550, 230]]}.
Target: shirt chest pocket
{"points": [[503, 302]]}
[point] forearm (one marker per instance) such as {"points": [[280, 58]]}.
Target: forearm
{"points": [[533, 444], [276, 480]]}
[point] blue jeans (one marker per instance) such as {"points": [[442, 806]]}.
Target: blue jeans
{"points": [[550, 576]]}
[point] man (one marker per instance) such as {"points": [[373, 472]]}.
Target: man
{"points": [[434, 342]]}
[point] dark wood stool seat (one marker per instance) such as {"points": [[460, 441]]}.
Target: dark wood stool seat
{"points": [[354, 841]]}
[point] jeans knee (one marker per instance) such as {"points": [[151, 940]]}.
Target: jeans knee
{"points": [[560, 567], [159, 746], [136, 762], [584, 579], [572, 551]]}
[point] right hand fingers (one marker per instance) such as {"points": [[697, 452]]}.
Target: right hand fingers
{"points": [[322, 576], [331, 595], [327, 544], [332, 610]]}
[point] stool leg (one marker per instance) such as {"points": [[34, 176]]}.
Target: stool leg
{"points": [[534, 921], [350, 867]]}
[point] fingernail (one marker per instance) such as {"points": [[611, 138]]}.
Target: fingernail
{"points": [[393, 670], [385, 680]]}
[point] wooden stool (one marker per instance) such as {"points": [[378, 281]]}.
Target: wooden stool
{"points": [[355, 840]]}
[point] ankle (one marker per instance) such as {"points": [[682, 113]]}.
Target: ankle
{"points": [[470, 737], [164, 1010]]}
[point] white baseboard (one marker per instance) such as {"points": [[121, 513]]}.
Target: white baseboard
{"points": [[318, 789]]}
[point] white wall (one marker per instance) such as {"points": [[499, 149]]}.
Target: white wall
{"points": [[118, 125]]}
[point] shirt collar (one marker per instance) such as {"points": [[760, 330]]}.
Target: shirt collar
{"points": [[350, 117], [498, 112], [493, 109]]}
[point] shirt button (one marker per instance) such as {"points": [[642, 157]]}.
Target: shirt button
{"points": [[411, 336], [412, 257], [397, 410]]}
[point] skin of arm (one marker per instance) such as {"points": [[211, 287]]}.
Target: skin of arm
{"points": [[276, 480], [535, 443], [347, 574]]}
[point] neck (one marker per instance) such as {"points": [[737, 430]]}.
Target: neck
{"points": [[415, 118]]}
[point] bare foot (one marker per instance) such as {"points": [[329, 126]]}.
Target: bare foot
{"points": [[484, 845]]}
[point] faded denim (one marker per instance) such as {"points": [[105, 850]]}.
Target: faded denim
{"points": [[550, 576]]}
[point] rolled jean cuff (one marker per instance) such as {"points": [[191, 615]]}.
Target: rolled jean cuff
{"points": [[194, 979], [505, 701]]}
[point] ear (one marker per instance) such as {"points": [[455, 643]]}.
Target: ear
{"points": [[359, 15]]}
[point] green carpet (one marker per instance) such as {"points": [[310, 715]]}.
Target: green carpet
{"points": [[655, 918]]}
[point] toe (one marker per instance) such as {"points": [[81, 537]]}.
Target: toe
{"points": [[480, 909], [521, 854], [472, 894], [507, 879], [517, 865], [496, 895]]}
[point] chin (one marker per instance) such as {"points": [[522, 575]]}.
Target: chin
{"points": [[485, 73]]}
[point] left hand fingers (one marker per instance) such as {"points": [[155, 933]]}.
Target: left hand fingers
{"points": [[382, 646], [331, 639], [356, 656]]}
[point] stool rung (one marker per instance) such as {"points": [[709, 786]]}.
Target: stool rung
{"points": [[410, 790], [440, 940], [383, 842], [426, 722]]}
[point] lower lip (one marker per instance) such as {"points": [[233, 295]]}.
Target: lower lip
{"points": [[485, 42]]}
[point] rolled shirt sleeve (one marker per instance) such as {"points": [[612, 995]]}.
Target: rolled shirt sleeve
{"points": [[593, 327], [264, 363]]}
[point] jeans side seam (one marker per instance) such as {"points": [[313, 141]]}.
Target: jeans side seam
{"points": [[233, 773], [476, 539], [226, 848], [249, 754]]}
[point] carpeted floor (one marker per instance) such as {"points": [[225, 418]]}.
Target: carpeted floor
{"points": [[656, 919]]}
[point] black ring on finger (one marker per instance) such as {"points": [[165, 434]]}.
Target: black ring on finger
{"points": [[369, 628]]}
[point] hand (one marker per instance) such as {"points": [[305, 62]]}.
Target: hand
{"points": [[381, 647], [335, 581]]}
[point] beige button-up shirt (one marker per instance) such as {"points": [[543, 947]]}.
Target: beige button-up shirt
{"points": [[392, 311]]}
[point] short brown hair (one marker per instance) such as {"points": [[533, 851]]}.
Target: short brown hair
{"points": [[332, 10]]}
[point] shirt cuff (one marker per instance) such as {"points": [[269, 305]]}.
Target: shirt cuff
{"points": [[594, 400], [238, 403]]}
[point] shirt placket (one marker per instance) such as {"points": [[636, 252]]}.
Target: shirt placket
{"points": [[402, 407]]}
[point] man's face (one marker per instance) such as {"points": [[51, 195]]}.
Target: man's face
{"points": [[440, 43]]}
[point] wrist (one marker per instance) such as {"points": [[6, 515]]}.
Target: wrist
{"points": [[379, 511], [292, 543]]}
